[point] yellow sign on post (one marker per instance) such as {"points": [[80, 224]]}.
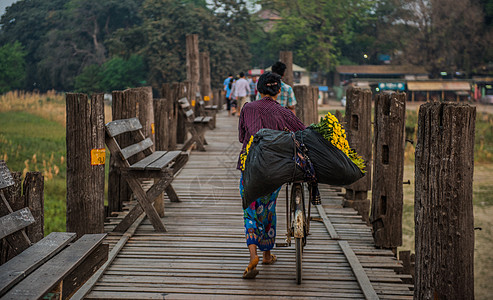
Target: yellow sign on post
{"points": [[152, 128], [206, 98], [98, 157], [193, 102]]}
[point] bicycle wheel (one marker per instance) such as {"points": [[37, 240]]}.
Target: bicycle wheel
{"points": [[299, 258], [299, 226]]}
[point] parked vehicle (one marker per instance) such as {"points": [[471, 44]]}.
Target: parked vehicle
{"points": [[486, 99]]}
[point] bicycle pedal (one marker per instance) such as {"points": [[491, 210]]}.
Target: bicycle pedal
{"points": [[281, 244]]}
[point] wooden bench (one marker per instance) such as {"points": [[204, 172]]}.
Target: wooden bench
{"points": [[159, 165], [205, 109], [50, 268], [195, 125]]}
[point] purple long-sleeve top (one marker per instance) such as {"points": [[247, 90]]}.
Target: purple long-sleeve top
{"points": [[265, 113]]}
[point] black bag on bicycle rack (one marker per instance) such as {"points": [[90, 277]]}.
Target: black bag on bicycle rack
{"points": [[270, 162], [331, 165]]}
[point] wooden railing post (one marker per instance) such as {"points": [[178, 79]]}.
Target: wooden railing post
{"points": [[205, 77], [34, 199], [388, 170], [287, 58], [180, 90], [193, 66], [85, 163], [444, 221], [307, 107], [358, 131]]}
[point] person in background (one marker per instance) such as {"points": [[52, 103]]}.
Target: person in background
{"points": [[227, 88], [234, 103], [286, 98], [260, 217], [253, 87], [241, 91]]}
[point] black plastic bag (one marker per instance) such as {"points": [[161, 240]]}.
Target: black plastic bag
{"points": [[270, 162], [331, 165]]}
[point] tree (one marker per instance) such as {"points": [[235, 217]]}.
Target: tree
{"points": [[161, 39], [444, 35], [115, 74], [62, 37], [314, 30], [12, 67], [28, 22]]}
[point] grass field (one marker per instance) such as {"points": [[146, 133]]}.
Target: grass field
{"points": [[32, 138]]}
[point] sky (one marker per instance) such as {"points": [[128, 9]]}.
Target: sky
{"points": [[4, 4]]}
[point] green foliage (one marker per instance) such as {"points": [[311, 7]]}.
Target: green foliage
{"points": [[12, 67], [31, 143], [161, 39], [115, 74], [316, 31], [89, 80]]}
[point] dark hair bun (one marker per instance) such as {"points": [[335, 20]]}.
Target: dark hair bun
{"points": [[269, 84]]}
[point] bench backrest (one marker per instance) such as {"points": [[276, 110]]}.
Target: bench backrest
{"points": [[15, 221], [132, 125], [186, 109]]}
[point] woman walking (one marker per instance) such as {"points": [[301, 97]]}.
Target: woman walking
{"points": [[260, 216]]}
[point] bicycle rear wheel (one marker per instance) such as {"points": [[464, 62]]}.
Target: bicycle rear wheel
{"points": [[299, 259], [299, 226]]}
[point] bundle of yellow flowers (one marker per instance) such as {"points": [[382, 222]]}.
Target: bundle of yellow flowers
{"points": [[243, 156], [330, 128]]}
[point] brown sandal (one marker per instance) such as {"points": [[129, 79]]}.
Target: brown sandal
{"points": [[251, 271], [271, 261]]}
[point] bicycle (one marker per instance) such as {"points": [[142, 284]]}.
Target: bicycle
{"points": [[297, 222]]}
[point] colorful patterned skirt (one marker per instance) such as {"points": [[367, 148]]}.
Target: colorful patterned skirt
{"points": [[260, 220]]}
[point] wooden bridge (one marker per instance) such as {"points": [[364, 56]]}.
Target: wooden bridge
{"points": [[203, 254]]}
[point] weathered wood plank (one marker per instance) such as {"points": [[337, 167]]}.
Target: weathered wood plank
{"points": [[163, 161], [6, 179], [117, 127], [142, 164], [359, 272], [47, 276], [24, 263], [15, 221], [131, 150]]}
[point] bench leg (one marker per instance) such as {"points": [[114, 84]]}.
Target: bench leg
{"points": [[196, 136], [146, 204], [170, 191], [129, 219]]}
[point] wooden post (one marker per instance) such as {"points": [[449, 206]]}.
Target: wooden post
{"points": [[34, 199], [388, 170], [16, 242], [218, 99], [180, 90], [193, 65], [85, 163], [205, 77], [307, 107], [443, 211], [169, 96], [126, 104], [358, 131], [161, 124], [287, 58]]}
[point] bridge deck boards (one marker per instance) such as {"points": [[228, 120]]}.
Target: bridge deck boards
{"points": [[203, 254]]}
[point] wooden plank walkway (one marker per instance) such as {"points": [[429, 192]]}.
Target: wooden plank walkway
{"points": [[203, 254]]}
